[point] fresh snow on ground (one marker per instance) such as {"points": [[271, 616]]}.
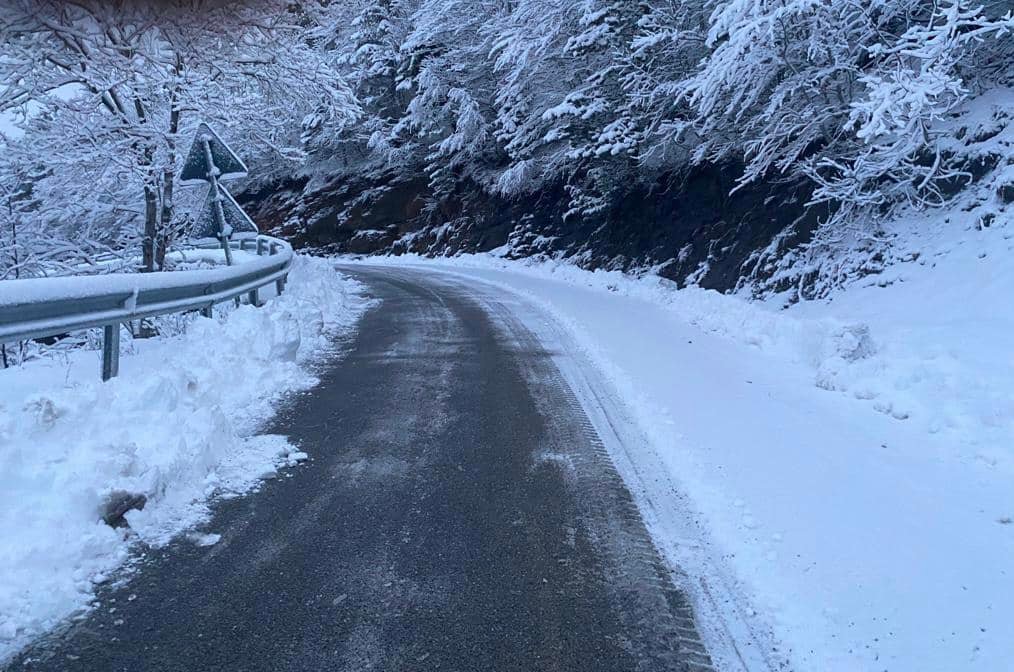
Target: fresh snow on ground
{"points": [[178, 425], [851, 459]]}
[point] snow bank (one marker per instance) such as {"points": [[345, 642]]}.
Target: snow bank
{"points": [[850, 459], [943, 333], [178, 426]]}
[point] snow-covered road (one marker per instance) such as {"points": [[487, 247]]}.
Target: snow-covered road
{"points": [[459, 511]]}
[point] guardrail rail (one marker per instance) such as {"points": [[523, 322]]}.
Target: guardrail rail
{"points": [[45, 307]]}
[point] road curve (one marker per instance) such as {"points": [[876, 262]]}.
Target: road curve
{"points": [[459, 513]]}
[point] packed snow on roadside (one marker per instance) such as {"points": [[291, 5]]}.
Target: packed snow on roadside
{"points": [[179, 426], [852, 459]]}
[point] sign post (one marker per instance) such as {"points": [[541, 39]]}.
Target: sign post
{"points": [[211, 160], [216, 199]]}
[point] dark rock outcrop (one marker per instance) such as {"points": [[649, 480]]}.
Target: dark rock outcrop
{"points": [[689, 227], [116, 505]]}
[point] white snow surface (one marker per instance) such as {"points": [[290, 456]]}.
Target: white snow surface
{"points": [[178, 425], [850, 462]]}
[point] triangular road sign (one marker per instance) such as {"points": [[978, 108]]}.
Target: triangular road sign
{"points": [[236, 221], [196, 169]]}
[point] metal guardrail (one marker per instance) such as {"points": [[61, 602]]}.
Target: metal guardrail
{"points": [[41, 307]]}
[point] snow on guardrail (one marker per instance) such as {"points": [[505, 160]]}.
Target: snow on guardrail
{"points": [[41, 307]]}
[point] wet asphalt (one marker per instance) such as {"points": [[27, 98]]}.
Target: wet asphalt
{"points": [[458, 514]]}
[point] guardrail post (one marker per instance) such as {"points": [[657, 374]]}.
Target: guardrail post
{"points": [[110, 351], [260, 247], [208, 311], [253, 298], [274, 248], [280, 284]]}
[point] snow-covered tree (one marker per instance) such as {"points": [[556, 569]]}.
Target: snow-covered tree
{"points": [[915, 82], [112, 89], [846, 93], [446, 80], [505, 97]]}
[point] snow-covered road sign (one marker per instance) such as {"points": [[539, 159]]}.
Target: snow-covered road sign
{"points": [[236, 221], [196, 168], [210, 160]]}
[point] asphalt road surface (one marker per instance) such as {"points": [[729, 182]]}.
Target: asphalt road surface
{"points": [[459, 513]]}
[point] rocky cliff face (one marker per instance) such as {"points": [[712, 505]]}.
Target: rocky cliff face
{"points": [[687, 228]]}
